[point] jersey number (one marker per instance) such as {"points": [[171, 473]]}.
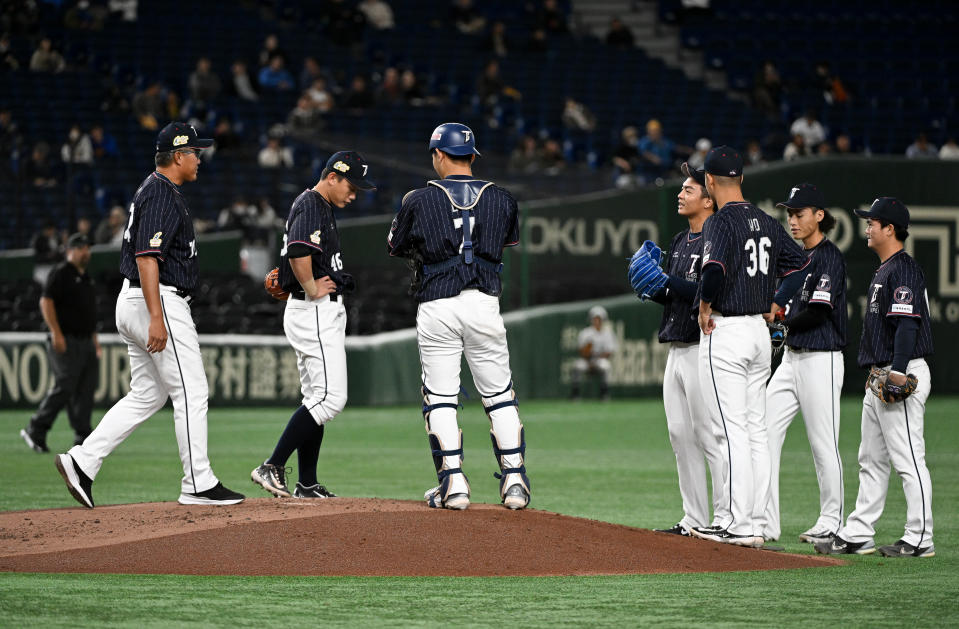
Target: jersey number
{"points": [[758, 256], [336, 262], [126, 232]]}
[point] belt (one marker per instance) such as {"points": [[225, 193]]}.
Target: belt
{"points": [[298, 294], [181, 292]]}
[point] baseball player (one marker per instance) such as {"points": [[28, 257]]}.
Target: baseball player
{"points": [[311, 271], [809, 379], [158, 258], [596, 344], [744, 250], [692, 434], [69, 308], [896, 338], [454, 230]]}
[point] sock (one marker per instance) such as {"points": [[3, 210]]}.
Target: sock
{"points": [[307, 455], [300, 429]]}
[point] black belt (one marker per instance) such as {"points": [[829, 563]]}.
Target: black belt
{"points": [[298, 294], [181, 292]]}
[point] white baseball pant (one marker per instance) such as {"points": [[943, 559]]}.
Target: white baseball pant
{"points": [[693, 435], [810, 382], [316, 329], [734, 363], [176, 372], [893, 433]]}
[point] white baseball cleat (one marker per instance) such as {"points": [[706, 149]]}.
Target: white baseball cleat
{"points": [[455, 501]]}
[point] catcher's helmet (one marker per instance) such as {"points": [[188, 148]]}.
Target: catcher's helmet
{"points": [[454, 138]]}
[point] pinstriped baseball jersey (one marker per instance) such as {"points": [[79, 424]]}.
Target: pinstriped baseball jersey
{"points": [[311, 223], [160, 226], [825, 283], [898, 289], [753, 249], [684, 260], [427, 227]]}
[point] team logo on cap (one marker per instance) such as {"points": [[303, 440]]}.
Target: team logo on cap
{"points": [[341, 166], [793, 192], [180, 139], [466, 135], [157, 239], [315, 237]]}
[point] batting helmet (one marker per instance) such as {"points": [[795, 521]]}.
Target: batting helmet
{"points": [[454, 138]]}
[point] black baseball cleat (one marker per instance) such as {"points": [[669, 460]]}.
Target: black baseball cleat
{"points": [[905, 549], [216, 495], [35, 443], [79, 484], [839, 546], [312, 491], [679, 529], [723, 536]]}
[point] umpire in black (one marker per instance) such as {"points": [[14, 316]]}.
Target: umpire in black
{"points": [[69, 308]]}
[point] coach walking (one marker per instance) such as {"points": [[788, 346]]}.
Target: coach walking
{"points": [[69, 308]]}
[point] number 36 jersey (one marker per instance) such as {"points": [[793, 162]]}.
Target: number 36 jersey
{"points": [[311, 227], [753, 249]]}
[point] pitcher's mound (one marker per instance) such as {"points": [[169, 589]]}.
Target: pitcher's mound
{"points": [[345, 536]]}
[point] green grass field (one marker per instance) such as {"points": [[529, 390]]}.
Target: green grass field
{"points": [[605, 461]]}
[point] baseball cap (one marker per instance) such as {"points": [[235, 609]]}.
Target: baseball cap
{"points": [[180, 135], [598, 311], [353, 167], [889, 209], [78, 240], [804, 195], [723, 161], [698, 174]]}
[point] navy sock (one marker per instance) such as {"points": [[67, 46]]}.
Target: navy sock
{"points": [[300, 429], [307, 455]]}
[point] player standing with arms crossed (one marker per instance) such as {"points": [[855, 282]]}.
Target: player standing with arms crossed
{"points": [[692, 433], [744, 250], [896, 338], [456, 228], [158, 259], [809, 379], [311, 274]]}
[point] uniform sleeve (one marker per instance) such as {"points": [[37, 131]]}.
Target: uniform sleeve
{"points": [[512, 236], [306, 227], [157, 223], [53, 285], [909, 287], [584, 338], [830, 281], [398, 240], [792, 257], [717, 242]]}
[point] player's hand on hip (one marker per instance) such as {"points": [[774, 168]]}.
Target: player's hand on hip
{"points": [[157, 336], [59, 343], [324, 286], [706, 322]]}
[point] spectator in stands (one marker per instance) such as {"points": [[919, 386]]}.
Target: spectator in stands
{"points": [[241, 82], [227, 141], [38, 170], [698, 158], [548, 17], [78, 149], [949, 150], [271, 48], [47, 245], [149, 107], [619, 35], [754, 154], [525, 157], [577, 116], [378, 14], [275, 76], [537, 41], [83, 17], [810, 129], [304, 119], [236, 216], [110, 230], [390, 91], [489, 85], [204, 84], [8, 60], [46, 59], [103, 144], [767, 89], [824, 149], [262, 224], [275, 155], [627, 159], [796, 148], [343, 24], [496, 41], [360, 96], [466, 18], [320, 96], [843, 144], [832, 89], [311, 72], [656, 150], [551, 158], [10, 142], [413, 91], [85, 228], [921, 148]]}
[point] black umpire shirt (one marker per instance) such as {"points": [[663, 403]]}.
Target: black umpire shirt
{"points": [[74, 299]]}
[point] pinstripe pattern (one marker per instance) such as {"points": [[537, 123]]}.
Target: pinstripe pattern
{"points": [[684, 260], [161, 226], [425, 227], [186, 396], [753, 249], [309, 214], [898, 289], [825, 283]]}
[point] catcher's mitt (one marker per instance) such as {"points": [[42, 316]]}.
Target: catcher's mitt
{"points": [[272, 285], [887, 392]]}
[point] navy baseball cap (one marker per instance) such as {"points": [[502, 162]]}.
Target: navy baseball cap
{"points": [[78, 240], [353, 167], [804, 195], [180, 135], [889, 209], [723, 161], [697, 174]]}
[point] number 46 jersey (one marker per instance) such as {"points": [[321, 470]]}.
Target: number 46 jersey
{"points": [[753, 249], [311, 228]]}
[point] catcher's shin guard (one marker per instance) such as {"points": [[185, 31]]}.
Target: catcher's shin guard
{"points": [[446, 447], [509, 447]]}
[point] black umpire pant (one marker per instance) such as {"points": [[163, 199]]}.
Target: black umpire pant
{"points": [[76, 374]]}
